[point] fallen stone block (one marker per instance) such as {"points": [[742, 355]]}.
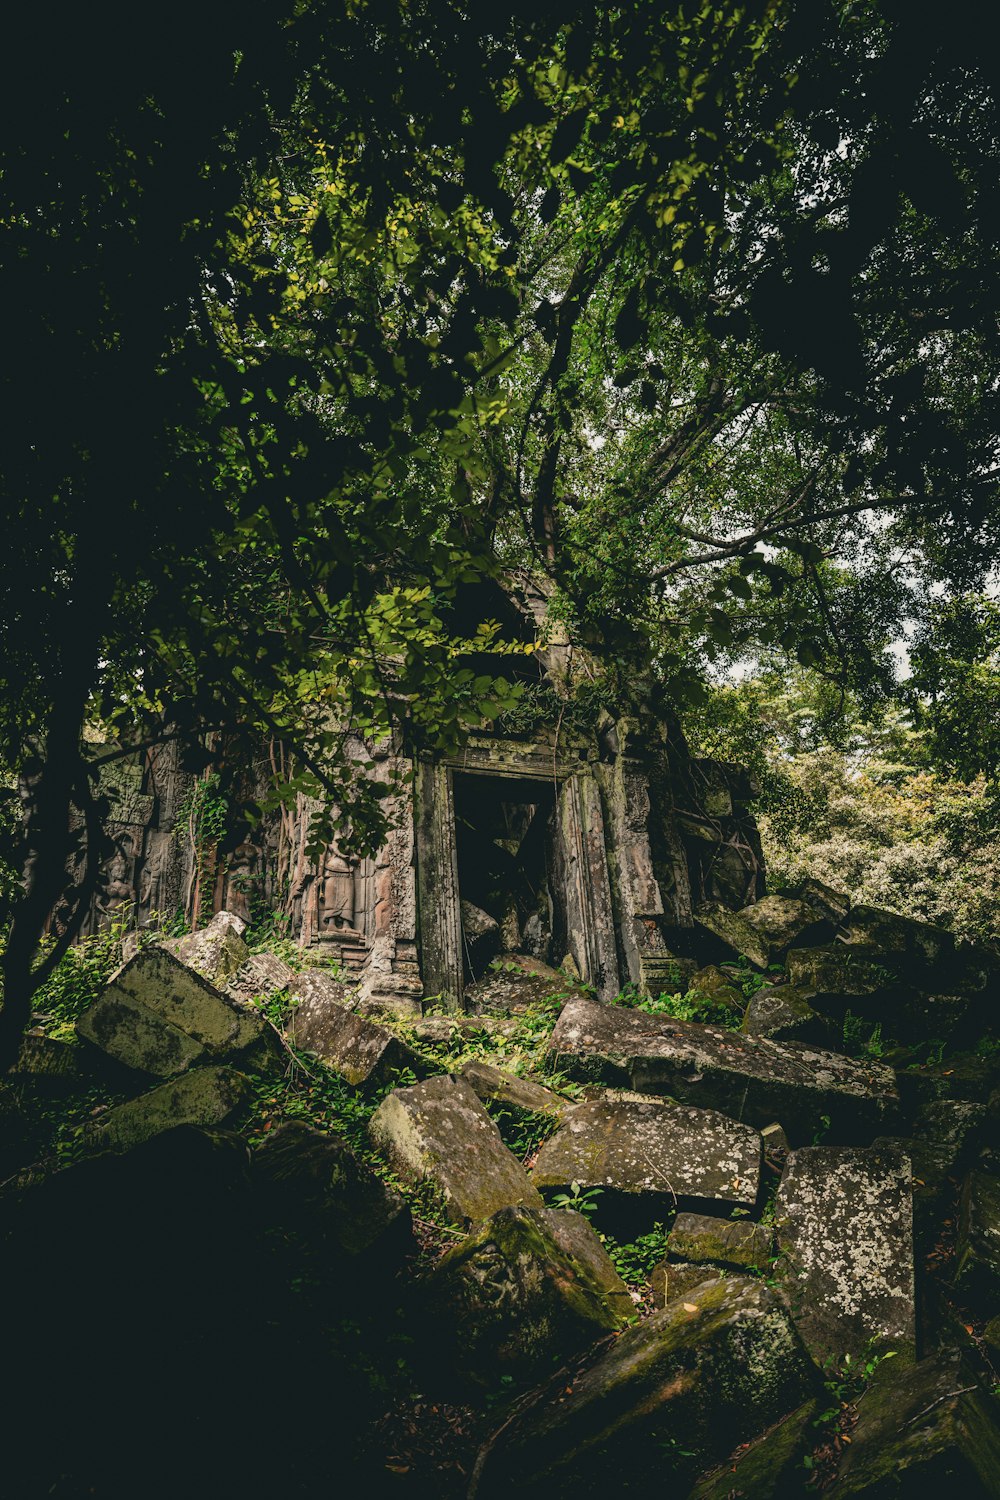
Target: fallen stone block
{"points": [[514, 982], [168, 988], [713, 984], [977, 1258], [920, 1426], [216, 952], [931, 1169], [131, 1033], [783, 1013], [44, 1061], [844, 1223], [672, 1279], [921, 943], [526, 1290], [722, 1242], [670, 1395], [824, 899], [840, 976], [205, 1096], [495, 1086], [263, 974], [359, 1050], [480, 936], [652, 1146], [770, 1468], [765, 931], [438, 1131], [317, 1183], [750, 1078]]}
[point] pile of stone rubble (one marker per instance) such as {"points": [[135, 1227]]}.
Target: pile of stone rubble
{"points": [[809, 1190]]}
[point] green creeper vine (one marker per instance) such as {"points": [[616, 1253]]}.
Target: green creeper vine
{"points": [[201, 820]]}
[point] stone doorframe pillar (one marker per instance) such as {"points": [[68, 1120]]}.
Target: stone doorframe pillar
{"points": [[581, 862]]}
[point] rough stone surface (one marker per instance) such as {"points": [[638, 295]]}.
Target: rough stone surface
{"points": [[438, 1130], [765, 931], [494, 1084], [824, 899], [770, 1468], [128, 1031], [316, 1181], [775, 1141], [217, 951], [160, 982], [205, 1096], [750, 1078], [634, 1144], [44, 1060], [844, 1220], [262, 974], [783, 1013], [977, 1260], [919, 942], [715, 985], [525, 1290], [672, 1279], [724, 1242], [922, 1427], [515, 982], [360, 1050], [839, 974], [480, 937], [670, 1395]]}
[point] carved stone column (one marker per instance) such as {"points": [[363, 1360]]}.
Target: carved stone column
{"points": [[437, 884], [582, 875]]}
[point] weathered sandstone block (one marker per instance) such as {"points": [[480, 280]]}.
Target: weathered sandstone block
{"points": [[205, 1096], [765, 931], [722, 1242], [439, 1131], [642, 1145]]}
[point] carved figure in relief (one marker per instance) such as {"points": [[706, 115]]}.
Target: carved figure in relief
{"points": [[337, 901]]}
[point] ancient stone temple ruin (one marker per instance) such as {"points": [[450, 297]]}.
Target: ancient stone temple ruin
{"points": [[588, 847]]}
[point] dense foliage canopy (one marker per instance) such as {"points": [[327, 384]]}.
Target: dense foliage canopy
{"points": [[689, 307]]}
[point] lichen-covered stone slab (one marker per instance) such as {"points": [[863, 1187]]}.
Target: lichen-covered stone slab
{"points": [[493, 1084], [217, 951], [750, 1078], [158, 980], [205, 1096], [925, 1430], [670, 1395], [317, 1183], [783, 1013], [439, 1131], [977, 1259], [765, 931], [526, 1290], [635, 1144], [358, 1049], [128, 1031], [844, 1223], [724, 1242]]}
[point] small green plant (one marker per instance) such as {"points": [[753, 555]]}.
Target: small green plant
{"points": [[635, 1259], [821, 1129], [691, 1006], [845, 1381], [583, 1200]]}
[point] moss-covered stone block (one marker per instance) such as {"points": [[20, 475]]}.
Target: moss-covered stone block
{"points": [[494, 1085], [525, 1291], [156, 979], [438, 1131], [977, 1258], [216, 951], [739, 1243], [671, 1395], [748, 1078], [205, 1096], [362, 1051], [674, 1278], [844, 1225], [928, 1429], [128, 1031], [770, 1468], [639, 1145], [316, 1183], [765, 931], [783, 1012]]}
